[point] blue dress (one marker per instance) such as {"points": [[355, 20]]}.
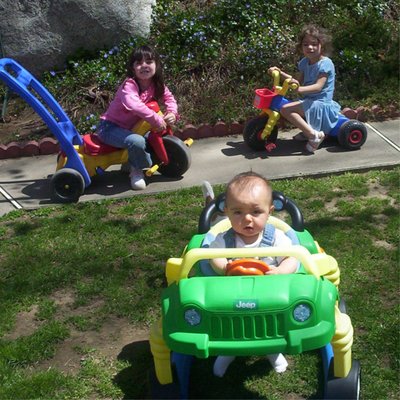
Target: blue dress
{"points": [[321, 111]]}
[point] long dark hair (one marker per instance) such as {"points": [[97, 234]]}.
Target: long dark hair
{"points": [[147, 53]]}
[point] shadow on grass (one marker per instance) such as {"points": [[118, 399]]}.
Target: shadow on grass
{"points": [[139, 381], [133, 380]]}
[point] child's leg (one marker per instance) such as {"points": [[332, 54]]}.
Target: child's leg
{"points": [[278, 362], [116, 136], [293, 112], [221, 364], [208, 192], [138, 157]]}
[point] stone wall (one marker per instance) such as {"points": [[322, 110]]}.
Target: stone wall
{"points": [[40, 34]]}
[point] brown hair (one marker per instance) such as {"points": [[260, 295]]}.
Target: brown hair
{"points": [[246, 181], [321, 34], [147, 53]]}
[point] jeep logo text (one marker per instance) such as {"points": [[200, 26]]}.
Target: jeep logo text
{"points": [[245, 304]]}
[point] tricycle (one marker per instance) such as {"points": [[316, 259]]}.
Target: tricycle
{"points": [[261, 132], [83, 157], [204, 315]]}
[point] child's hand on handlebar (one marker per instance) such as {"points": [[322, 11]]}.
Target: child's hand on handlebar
{"points": [[294, 82], [272, 69], [162, 127], [169, 118]]}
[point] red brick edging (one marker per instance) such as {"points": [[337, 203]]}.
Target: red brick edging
{"points": [[50, 145], [46, 145]]}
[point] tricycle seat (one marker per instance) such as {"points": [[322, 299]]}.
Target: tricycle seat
{"points": [[94, 146]]}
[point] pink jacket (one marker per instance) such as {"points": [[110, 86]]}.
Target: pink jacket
{"points": [[128, 107]]}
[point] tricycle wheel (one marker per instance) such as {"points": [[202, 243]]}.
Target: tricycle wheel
{"points": [[344, 388], [252, 133], [67, 185], [178, 155], [352, 134]]}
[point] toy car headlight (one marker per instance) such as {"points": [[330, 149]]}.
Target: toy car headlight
{"points": [[192, 317], [302, 312]]}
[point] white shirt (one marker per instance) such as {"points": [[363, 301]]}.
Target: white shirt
{"points": [[280, 239]]}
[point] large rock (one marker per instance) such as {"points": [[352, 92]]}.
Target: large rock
{"points": [[40, 34]]}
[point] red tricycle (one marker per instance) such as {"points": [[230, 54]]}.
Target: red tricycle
{"points": [[83, 157]]}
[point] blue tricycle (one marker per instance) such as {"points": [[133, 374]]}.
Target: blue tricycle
{"points": [[260, 133]]}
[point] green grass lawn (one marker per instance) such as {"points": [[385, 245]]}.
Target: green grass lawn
{"points": [[80, 285]]}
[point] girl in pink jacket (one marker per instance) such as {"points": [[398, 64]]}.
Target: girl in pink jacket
{"points": [[144, 83]]}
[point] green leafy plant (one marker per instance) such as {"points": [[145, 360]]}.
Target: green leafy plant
{"points": [[215, 53]]}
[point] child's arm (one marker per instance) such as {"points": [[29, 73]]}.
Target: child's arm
{"points": [[287, 266], [298, 76], [169, 118], [315, 87], [219, 265], [172, 107], [132, 103]]}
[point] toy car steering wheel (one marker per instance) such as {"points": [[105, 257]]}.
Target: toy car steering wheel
{"points": [[247, 266]]}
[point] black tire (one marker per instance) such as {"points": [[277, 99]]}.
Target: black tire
{"points": [[344, 388], [179, 157], [352, 134], [253, 130], [67, 185]]}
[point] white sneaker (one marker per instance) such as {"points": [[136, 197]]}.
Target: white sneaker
{"points": [[137, 179], [313, 144], [278, 362]]}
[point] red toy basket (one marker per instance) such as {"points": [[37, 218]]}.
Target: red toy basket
{"points": [[263, 98]]}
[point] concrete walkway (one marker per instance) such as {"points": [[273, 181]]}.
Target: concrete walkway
{"points": [[25, 182]]}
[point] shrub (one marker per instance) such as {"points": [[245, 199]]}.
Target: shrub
{"points": [[216, 52]]}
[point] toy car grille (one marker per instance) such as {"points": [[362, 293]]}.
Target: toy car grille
{"points": [[246, 327]]}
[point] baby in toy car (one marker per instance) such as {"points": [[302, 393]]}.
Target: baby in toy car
{"points": [[248, 205]]}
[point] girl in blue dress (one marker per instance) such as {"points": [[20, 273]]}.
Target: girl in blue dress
{"points": [[315, 113]]}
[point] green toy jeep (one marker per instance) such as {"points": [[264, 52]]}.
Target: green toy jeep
{"points": [[205, 315]]}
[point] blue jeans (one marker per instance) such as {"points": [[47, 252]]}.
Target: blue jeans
{"points": [[112, 134]]}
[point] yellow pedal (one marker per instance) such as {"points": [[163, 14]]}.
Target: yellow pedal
{"points": [[152, 170], [188, 142]]}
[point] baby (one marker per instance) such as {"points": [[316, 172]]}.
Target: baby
{"points": [[248, 205]]}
